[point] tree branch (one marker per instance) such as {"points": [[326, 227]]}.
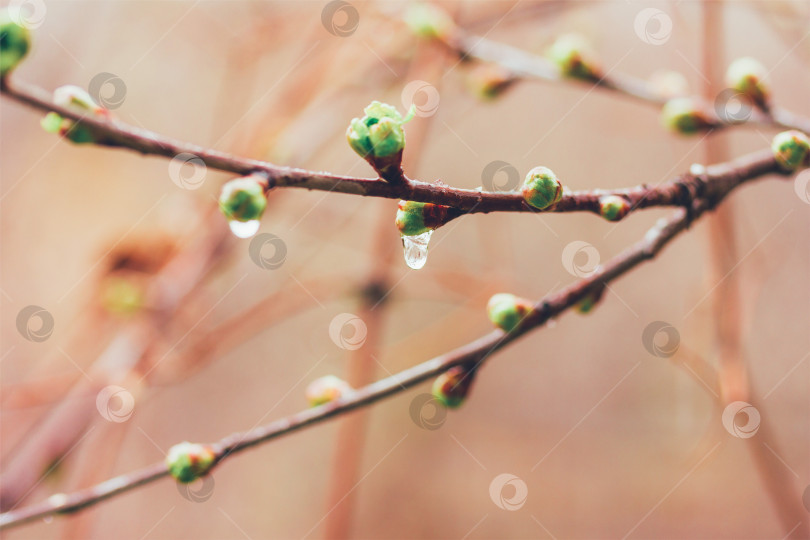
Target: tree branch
{"points": [[677, 192], [726, 178], [526, 66]]}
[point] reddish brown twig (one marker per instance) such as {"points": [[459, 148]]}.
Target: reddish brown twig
{"points": [[677, 192], [476, 352]]}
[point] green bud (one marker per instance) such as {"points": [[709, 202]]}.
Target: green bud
{"points": [[429, 21], [379, 133], [587, 304], [415, 218], [791, 149], [189, 461], [243, 199], [15, 42], [748, 76], [76, 98], [489, 81], [506, 311], [451, 387], [574, 57], [326, 389], [541, 188], [684, 115], [613, 207], [121, 295]]}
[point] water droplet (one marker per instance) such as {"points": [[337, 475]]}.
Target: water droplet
{"points": [[244, 229], [416, 249], [551, 323]]}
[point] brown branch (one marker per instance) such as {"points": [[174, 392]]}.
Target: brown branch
{"points": [[677, 192], [522, 65], [476, 352]]}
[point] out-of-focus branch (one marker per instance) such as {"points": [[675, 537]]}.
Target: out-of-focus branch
{"points": [[522, 65]]}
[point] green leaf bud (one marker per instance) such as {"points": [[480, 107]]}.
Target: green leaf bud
{"points": [[243, 199], [507, 311], [541, 188], [749, 77], [189, 461], [452, 387], [574, 57], [791, 149], [414, 218], [613, 207], [15, 42], [685, 116], [326, 389]]}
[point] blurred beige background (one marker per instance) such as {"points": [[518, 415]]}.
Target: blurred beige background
{"points": [[625, 441]]}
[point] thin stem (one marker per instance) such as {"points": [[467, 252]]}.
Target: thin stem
{"points": [[523, 65]]}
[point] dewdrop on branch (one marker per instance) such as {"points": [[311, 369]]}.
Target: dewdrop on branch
{"points": [[429, 21], [451, 387], [15, 42], [74, 97], [749, 77], [574, 57], [378, 137], [685, 116], [189, 461], [507, 311], [613, 207], [243, 202], [791, 149], [326, 389], [541, 188]]}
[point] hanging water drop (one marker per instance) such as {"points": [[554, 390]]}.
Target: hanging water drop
{"points": [[244, 229], [416, 249]]}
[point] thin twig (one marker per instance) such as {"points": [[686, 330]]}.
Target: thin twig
{"points": [[522, 65], [476, 352], [677, 192]]}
